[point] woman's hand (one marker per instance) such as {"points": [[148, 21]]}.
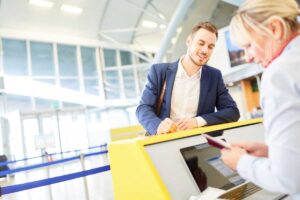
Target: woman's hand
{"points": [[232, 156], [254, 148]]}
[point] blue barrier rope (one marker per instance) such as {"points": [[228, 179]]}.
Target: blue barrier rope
{"points": [[49, 181], [11, 171], [24, 159]]}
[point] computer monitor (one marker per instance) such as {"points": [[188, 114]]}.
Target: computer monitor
{"points": [[207, 168]]}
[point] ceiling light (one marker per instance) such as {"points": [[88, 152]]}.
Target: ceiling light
{"points": [[162, 26], [149, 24], [42, 3], [179, 29], [71, 9]]}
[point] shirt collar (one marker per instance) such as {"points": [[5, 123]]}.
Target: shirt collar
{"points": [[182, 73]]}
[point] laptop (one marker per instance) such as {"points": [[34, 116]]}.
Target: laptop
{"points": [[209, 172]]}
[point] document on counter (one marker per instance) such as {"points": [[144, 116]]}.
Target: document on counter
{"points": [[209, 193]]}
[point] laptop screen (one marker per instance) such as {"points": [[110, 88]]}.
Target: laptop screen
{"points": [[207, 168]]}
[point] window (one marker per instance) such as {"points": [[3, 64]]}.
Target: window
{"points": [[15, 57], [88, 57], [141, 59], [129, 84], [67, 60], [142, 76], [91, 86], [42, 58], [46, 80], [112, 85], [110, 57], [41, 103], [126, 58], [16, 102], [70, 83]]}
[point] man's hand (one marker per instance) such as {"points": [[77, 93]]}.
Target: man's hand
{"points": [[232, 156], [186, 123], [166, 126], [254, 148]]}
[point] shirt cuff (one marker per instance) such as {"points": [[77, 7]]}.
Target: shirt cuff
{"points": [[245, 165], [201, 121]]}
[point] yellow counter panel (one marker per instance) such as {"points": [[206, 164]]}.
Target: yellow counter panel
{"points": [[134, 173]]}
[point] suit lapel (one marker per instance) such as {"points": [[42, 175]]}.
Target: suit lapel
{"points": [[205, 82], [170, 78]]}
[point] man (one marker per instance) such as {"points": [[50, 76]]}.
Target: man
{"points": [[192, 89]]}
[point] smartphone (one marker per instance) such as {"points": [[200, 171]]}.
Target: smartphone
{"points": [[215, 142]]}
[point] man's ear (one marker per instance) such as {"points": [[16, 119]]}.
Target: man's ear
{"points": [[277, 29]]}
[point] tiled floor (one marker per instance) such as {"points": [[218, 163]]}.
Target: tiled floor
{"points": [[99, 185]]}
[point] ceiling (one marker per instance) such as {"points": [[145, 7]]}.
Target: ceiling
{"points": [[114, 21], [111, 20]]}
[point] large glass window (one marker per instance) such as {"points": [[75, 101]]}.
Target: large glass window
{"points": [[91, 86], [110, 57], [142, 76], [70, 83], [16, 102], [15, 57], [126, 58], [129, 84], [67, 60], [88, 57], [46, 80], [73, 131], [31, 131], [142, 59], [42, 59], [112, 85], [41, 103]]}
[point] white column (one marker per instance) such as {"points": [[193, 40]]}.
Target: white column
{"points": [[177, 18]]}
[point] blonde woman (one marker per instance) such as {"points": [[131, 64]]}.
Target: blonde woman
{"points": [[268, 31]]}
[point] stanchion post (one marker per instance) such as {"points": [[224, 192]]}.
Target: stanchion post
{"points": [[86, 189], [50, 188]]}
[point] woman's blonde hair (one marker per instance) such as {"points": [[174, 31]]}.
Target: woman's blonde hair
{"points": [[254, 15]]}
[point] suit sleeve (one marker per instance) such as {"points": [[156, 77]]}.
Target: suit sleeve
{"points": [[145, 111], [227, 110]]}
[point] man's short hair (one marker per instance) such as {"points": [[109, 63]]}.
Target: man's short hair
{"points": [[205, 25]]}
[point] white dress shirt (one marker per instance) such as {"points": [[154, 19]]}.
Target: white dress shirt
{"points": [[280, 100], [185, 95]]}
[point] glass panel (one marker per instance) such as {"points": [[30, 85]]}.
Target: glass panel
{"points": [[142, 76], [119, 114], [97, 124], [31, 129], [72, 84], [141, 60], [46, 104], [50, 128], [91, 86], [126, 58], [15, 102], [88, 57], [14, 57], [71, 105], [42, 58], [110, 57], [73, 131], [129, 84], [67, 60], [112, 85], [48, 81]]}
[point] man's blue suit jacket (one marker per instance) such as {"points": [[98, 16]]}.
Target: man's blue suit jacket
{"points": [[213, 94]]}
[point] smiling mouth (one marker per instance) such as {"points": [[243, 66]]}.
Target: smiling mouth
{"points": [[202, 57]]}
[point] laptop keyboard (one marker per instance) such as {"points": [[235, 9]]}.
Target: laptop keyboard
{"points": [[241, 192]]}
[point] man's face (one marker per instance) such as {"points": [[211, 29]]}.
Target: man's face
{"points": [[200, 46]]}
